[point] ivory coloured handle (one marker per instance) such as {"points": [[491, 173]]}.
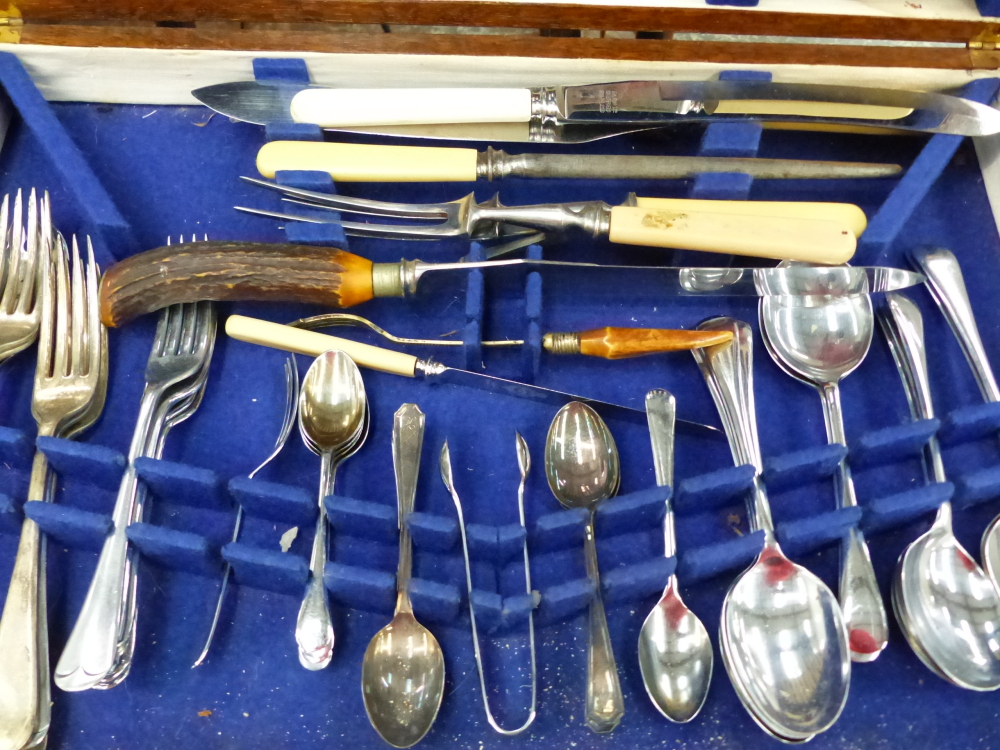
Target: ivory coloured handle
{"points": [[312, 344], [793, 108], [343, 108], [846, 213], [777, 237], [355, 162]]}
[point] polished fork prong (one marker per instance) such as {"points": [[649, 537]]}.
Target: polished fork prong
{"points": [[47, 298], [175, 321], [13, 281], [62, 297], [26, 292], [5, 228], [78, 317], [95, 330], [364, 205], [358, 229]]}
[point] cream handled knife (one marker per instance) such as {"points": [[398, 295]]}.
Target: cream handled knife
{"points": [[356, 162], [649, 103]]}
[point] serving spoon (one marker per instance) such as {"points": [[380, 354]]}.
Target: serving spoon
{"points": [[675, 652], [333, 422], [782, 632], [819, 341], [946, 605], [582, 468], [402, 673]]}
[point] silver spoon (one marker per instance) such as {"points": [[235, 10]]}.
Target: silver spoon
{"points": [[782, 632], [332, 408], [675, 652], [819, 341], [581, 465], [944, 279], [947, 606], [402, 674]]}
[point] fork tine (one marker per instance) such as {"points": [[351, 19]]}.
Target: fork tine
{"points": [[46, 326], [26, 293], [60, 358], [95, 334], [189, 334], [357, 229], [364, 205], [5, 243], [78, 329], [13, 281], [174, 325]]}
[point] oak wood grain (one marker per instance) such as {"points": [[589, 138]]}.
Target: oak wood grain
{"points": [[221, 271]]}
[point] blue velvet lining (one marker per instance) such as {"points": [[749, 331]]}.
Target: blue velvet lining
{"points": [[169, 172]]}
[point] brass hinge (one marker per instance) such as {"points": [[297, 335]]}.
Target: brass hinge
{"points": [[984, 49]]}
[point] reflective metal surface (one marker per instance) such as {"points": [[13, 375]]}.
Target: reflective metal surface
{"points": [[947, 606], [675, 651], [333, 421], [819, 341], [582, 468], [782, 633], [402, 673]]}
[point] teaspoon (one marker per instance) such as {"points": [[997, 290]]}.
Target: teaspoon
{"points": [[675, 652], [332, 417], [402, 674], [782, 632], [582, 468]]}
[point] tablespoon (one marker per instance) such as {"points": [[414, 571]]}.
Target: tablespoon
{"points": [[332, 409], [782, 632], [402, 673], [947, 606], [675, 652], [581, 465], [819, 341], [944, 279]]}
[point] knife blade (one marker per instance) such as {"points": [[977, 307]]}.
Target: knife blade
{"points": [[636, 103], [313, 344], [354, 162], [221, 271]]}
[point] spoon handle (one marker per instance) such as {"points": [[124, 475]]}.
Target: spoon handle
{"points": [[864, 612], [661, 414], [407, 445], [314, 626], [944, 279], [728, 372], [605, 704], [904, 329]]}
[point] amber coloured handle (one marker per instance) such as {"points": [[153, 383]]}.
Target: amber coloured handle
{"points": [[223, 271], [622, 343]]}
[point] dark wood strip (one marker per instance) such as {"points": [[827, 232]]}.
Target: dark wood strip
{"points": [[506, 14], [489, 45]]}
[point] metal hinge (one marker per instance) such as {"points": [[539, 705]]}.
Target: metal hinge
{"points": [[984, 48]]}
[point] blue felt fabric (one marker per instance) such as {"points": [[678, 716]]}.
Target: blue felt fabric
{"points": [[96, 463], [169, 172]]}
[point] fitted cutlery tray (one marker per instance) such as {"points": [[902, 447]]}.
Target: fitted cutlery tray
{"points": [[173, 171]]}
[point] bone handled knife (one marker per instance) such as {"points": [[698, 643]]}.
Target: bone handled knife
{"points": [[650, 103], [356, 162]]}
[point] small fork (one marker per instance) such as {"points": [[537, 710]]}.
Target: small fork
{"points": [[20, 270], [70, 378]]}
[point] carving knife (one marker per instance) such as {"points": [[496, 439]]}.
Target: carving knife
{"points": [[541, 112], [355, 162], [312, 344], [220, 271]]}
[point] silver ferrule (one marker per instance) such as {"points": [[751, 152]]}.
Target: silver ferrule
{"points": [[494, 164], [561, 343], [395, 279], [545, 105], [428, 368]]}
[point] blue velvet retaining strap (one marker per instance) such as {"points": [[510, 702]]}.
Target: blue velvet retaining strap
{"points": [[968, 423], [100, 466], [71, 526]]}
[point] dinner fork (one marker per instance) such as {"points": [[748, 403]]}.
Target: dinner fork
{"points": [[183, 342], [70, 378], [20, 270]]}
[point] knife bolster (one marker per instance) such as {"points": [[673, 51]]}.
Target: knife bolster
{"points": [[230, 271], [387, 280]]}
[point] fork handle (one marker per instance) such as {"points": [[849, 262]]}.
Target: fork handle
{"points": [[229, 271], [23, 628]]}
